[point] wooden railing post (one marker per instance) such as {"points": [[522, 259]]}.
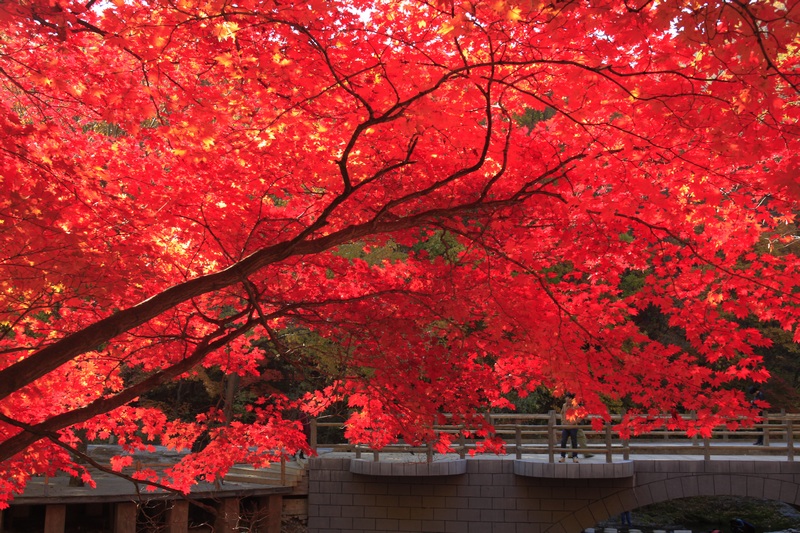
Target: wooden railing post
{"points": [[609, 456], [782, 424], [551, 444], [312, 434], [429, 451], [518, 439], [706, 448], [790, 439], [462, 449]]}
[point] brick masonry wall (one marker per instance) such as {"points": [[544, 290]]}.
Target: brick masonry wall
{"points": [[488, 498]]}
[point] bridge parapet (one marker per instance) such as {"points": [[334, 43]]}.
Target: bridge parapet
{"points": [[539, 434], [404, 468], [540, 469]]}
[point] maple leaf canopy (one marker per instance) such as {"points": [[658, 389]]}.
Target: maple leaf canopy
{"points": [[181, 179]]}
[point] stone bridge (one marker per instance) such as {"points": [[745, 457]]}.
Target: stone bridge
{"points": [[404, 488], [531, 495]]}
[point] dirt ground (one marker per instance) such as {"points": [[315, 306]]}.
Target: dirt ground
{"points": [[294, 525]]}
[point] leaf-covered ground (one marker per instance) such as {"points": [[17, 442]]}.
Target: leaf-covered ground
{"points": [[294, 525], [709, 513]]}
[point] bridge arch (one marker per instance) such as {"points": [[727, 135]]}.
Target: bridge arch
{"points": [[657, 481]]}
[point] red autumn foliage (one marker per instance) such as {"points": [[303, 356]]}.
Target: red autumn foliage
{"points": [[178, 179]]}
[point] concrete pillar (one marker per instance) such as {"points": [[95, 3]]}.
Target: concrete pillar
{"points": [[227, 516], [177, 517], [125, 517], [55, 518]]}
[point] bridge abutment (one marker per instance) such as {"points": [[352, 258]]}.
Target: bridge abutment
{"points": [[503, 495], [487, 497]]}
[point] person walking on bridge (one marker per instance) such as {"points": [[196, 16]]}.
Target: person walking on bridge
{"points": [[570, 414], [756, 399]]}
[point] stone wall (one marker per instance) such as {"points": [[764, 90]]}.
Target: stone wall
{"points": [[488, 498], [486, 495]]}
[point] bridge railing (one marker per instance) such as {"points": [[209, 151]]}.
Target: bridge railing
{"points": [[539, 434]]}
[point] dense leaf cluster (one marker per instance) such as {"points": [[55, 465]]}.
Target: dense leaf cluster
{"points": [[427, 206]]}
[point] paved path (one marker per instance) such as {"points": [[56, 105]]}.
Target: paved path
{"points": [[678, 451], [243, 481]]}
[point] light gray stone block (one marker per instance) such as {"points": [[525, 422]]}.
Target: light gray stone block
{"points": [[772, 489], [659, 492], [674, 488], [789, 493], [434, 526], [690, 486], [738, 485], [367, 467], [722, 484]]}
